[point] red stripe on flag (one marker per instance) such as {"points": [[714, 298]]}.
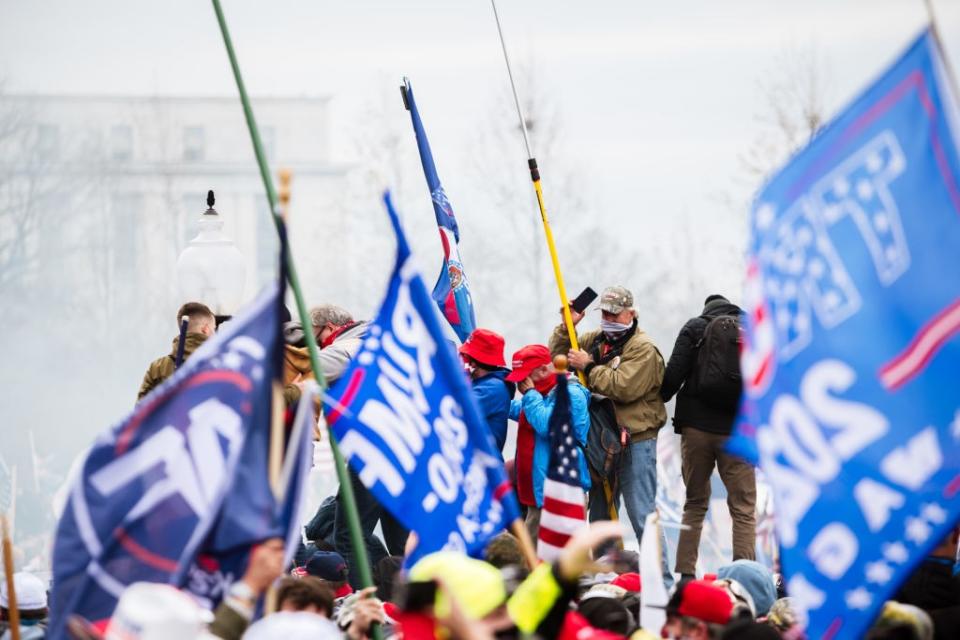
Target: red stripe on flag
{"points": [[143, 410], [952, 487], [356, 380], [566, 509], [924, 346], [555, 538], [502, 490], [144, 555]]}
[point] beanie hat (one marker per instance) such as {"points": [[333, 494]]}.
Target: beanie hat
{"points": [[714, 296], [477, 586], [756, 579], [327, 565]]}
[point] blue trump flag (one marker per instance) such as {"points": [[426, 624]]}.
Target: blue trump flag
{"points": [[180, 487], [451, 293], [408, 424], [851, 352]]}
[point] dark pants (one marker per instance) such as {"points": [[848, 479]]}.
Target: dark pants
{"points": [[699, 453], [370, 512]]}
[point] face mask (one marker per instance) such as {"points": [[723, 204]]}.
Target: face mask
{"points": [[613, 328], [469, 367], [544, 385]]}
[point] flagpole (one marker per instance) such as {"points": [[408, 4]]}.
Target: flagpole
{"points": [[348, 500], [535, 177], [12, 611], [935, 28]]}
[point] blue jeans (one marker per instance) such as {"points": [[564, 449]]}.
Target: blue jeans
{"points": [[638, 486]]}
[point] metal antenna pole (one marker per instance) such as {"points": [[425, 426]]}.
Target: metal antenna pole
{"points": [[535, 176]]}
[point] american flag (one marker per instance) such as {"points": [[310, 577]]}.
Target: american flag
{"points": [[563, 510]]}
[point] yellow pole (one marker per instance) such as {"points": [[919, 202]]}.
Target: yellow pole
{"points": [[535, 176]]}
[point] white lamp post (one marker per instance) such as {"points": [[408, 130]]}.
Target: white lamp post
{"points": [[211, 269]]}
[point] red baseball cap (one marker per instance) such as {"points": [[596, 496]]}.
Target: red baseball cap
{"points": [[527, 359], [702, 600], [628, 581], [484, 346]]}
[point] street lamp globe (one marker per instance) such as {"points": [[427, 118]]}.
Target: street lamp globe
{"points": [[211, 269]]}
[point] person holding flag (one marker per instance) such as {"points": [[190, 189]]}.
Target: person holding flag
{"points": [[409, 426], [537, 380], [563, 507], [451, 292]]}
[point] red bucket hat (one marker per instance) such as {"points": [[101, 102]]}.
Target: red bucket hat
{"points": [[484, 346], [527, 359]]}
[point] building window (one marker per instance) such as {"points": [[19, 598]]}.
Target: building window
{"points": [[192, 206], [125, 216], [193, 144], [268, 137], [267, 243], [121, 143], [48, 141]]}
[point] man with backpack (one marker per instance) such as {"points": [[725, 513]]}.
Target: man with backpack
{"points": [[705, 368]]}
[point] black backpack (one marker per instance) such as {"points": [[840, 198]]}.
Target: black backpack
{"points": [[606, 441], [718, 363]]}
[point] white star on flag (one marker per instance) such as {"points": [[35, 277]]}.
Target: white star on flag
{"points": [[859, 598], [879, 572], [895, 552], [955, 426], [917, 530], [934, 513], [232, 360]]}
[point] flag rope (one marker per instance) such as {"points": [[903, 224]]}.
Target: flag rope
{"points": [[346, 488]]}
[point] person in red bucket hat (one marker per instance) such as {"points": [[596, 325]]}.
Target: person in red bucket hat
{"points": [[482, 356]]}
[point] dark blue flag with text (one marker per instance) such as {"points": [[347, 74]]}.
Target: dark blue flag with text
{"points": [[151, 492]]}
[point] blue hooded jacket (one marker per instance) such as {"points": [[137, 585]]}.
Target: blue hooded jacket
{"points": [[537, 409], [493, 394]]}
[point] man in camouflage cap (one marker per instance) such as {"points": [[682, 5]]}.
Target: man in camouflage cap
{"points": [[621, 362]]}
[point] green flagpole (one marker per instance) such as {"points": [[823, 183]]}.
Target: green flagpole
{"points": [[346, 489]]}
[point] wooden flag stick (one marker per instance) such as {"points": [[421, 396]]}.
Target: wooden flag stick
{"points": [[12, 609], [519, 530]]}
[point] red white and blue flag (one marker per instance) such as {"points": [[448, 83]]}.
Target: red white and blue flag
{"points": [[451, 292], [563, 511]]}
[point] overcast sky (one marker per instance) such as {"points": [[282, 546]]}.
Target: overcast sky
{"points": [[658, 99]]}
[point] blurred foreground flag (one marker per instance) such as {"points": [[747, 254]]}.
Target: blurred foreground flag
{"points": [[852, 353], [178, 492], [451, 293], [408, 424]]}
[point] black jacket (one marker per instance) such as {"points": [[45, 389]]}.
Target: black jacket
{"points": [[690, 411]]}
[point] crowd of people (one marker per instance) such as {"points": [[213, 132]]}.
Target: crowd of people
{"points": [[593, 589]]}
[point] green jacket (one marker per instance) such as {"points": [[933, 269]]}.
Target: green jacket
{"points": [[162, 368], [632, 379]]}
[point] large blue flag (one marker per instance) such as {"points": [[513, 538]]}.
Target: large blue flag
{"points": [[180, 487], [407, 422], [852, 358], [451, 293]]}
